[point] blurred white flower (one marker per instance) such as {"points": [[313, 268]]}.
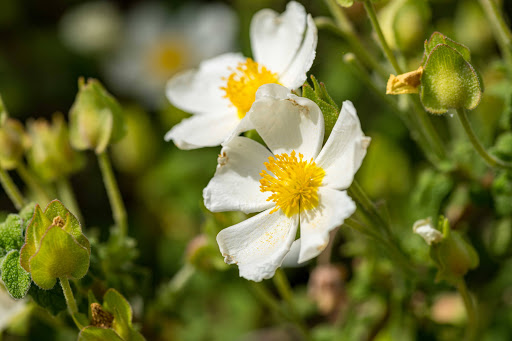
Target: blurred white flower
{"points": [[91, 27], [9, 308], [221, 91], [427, 231], [296, 182], [156, 45]]}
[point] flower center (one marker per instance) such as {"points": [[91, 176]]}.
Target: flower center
{"points": [[293, 182], [242, 84], [166, 58]]}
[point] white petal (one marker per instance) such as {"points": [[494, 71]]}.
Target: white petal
{"points": [[235, 185], [244, 125], [258, 244], [295, 75], [203, 130], [288, 122], [199, 91], [291, 260], [315, 224], [345, 149], [427, 231], [276, 39]]}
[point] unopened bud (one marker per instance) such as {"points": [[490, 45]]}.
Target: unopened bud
{"points": [[12, 141], [50, 154], [95, 119]]}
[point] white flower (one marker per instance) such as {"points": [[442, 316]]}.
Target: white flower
{"points": [[158, 44], [9, 308], [91, 27], [223, 89], [427, 231], [295, 182]]}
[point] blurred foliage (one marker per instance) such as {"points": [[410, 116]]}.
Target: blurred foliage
{"points": [[170, 270]]}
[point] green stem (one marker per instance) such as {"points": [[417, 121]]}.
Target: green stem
{"points": [[370, 10], [421, 116], [33, 183], [114, 195], [417, 133], [368, 207], [68, 197], [12, 191], [284, 289], [68, 294], [472, 325], [491, 160], [500, 29], [355, 45], [180, 279]]}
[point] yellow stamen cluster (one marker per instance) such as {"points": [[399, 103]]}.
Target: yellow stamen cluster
{"points": [[166, 58], [293, 182], [242, 84]]}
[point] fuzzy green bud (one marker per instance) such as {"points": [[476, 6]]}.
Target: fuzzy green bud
{"points": [[12, 141], [54, 246], [96, 118], [50, 154]]}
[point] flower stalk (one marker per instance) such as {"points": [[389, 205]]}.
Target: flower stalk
{"points": [[491, 160], [11, 189], [500, 29], [469, 304], [33, 183], [114, 195]]}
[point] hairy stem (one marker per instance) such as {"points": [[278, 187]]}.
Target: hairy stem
{"points": [[114, 195], [11, 189], [490, 159]]}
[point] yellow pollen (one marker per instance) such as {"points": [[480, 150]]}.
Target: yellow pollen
{"points": [[242, 84], [293, 182]]}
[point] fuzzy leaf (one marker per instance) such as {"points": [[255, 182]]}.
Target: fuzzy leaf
{"points": [[72, 226], [449, 82], [60, 255], [329, 111], [16, 279], [27, 213], [11, 233]]}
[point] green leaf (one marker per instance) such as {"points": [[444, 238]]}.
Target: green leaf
{"points": [[60, 255], [449, 82], [11, 233], [438, 38], [16, 279], [33, 235], [52, 300], [27, 213], [329, 111], [98, 334]]}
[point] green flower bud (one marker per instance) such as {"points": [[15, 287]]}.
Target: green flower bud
{"points": [[12, 141], [50, 153], [110, 321], [446, 80], [54, 246], [95, 119], [453, 255]]}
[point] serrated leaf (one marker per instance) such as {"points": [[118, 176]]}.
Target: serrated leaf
{"points": [[330, 112], [33, 235], [438, 38], [52, 300], [449, 82], [16, 279], [11, 233], [60, 255], [98, 334]]}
